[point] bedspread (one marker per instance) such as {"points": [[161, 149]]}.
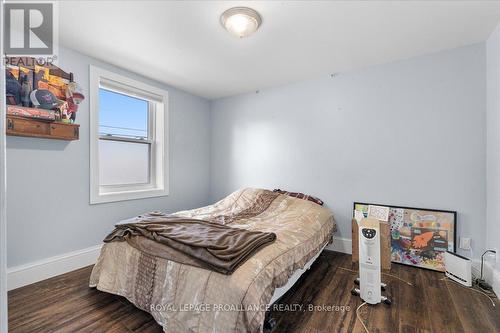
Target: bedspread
{"points": [[184, 298]]}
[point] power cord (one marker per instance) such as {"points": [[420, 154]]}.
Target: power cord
{"points": [[398, 278], [359, 318], [445, 279], [481, 282]]}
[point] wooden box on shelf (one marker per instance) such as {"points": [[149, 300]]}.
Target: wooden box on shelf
{"points": [[20, 126]]}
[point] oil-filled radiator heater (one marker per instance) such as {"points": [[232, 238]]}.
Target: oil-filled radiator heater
{"points": [[369, 281]]}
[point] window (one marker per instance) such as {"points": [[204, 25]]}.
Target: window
{"points": [[128, 144]]}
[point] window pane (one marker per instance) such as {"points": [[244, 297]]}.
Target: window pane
{"points": [[123, 163], [122, 115]]}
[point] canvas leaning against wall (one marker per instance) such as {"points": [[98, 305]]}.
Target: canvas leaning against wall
{"points": [[419, 237]]}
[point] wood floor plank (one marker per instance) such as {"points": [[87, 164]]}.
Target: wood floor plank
{"points": [[66, 304], [474, 310], [412, 307], [443, 317]]}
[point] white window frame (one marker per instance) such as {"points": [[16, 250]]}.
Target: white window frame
{"points": [[158, 127]]}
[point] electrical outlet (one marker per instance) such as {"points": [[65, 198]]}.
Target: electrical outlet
{"points": [[464, 243]]}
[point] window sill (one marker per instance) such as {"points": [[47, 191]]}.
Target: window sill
{"points": [[98, 198]]}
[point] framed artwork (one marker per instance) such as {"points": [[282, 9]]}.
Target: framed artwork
{"points": [[419, 236]]}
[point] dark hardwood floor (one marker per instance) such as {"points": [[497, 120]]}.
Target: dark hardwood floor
{"points": [[66, 304]]}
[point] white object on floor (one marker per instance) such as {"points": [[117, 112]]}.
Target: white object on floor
{"points": [[278, 292], [369, 261], [458, 268]]}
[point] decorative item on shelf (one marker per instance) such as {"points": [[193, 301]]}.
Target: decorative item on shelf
{"points": [[419, 237], [41, 80], [39, 114], [64, 112], [74, 96], [45, 99], [25, 91], [13, 88], [12, 70], [26, 72], [26, 80], [37, 94], [58, 86]]}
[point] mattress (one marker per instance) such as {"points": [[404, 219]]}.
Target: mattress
{"points": [[185, 298]]}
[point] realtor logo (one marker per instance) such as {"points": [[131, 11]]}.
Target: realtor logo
{"points": [[29, 28]]}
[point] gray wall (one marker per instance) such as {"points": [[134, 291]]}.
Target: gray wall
{"points": [[408, 133], [493, 140], [48, 180]]}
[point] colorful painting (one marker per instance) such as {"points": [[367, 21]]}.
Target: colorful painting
{"points": [[419, 237]]}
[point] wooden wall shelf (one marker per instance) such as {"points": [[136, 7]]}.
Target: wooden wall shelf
{"points": [[19, 126]]}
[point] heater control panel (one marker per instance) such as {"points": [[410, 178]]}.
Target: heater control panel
{"points": [[369, 233]]}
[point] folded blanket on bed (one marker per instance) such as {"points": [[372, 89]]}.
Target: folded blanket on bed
{"points": [[200, 243]]}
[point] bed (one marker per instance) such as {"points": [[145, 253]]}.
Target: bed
{"points": [[185, 298]]}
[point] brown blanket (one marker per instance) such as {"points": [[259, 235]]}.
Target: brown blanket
{"points": [[191, 241]]}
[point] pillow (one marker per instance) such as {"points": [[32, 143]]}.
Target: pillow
{"points": [[300, 196]]}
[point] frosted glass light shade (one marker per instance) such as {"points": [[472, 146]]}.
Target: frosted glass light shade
{"points": [[240, 21]]}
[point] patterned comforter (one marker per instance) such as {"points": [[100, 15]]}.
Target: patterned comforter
{"points": [[184, 298]]}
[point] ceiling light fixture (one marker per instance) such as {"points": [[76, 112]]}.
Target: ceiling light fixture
{"points": [[241, 21]]}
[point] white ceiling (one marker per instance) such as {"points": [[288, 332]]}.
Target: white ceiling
{"points": [[183, 44]]}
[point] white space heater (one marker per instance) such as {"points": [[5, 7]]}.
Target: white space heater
{"points": [[370, 284], [458, 268], [369, 261]]}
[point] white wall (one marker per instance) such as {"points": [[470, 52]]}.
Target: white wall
{"points": [[408, 133], [48, 184], [493, 145]]}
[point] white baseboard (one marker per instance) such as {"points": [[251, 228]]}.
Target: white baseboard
{"points": [[339, 244], [23, 275]]}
